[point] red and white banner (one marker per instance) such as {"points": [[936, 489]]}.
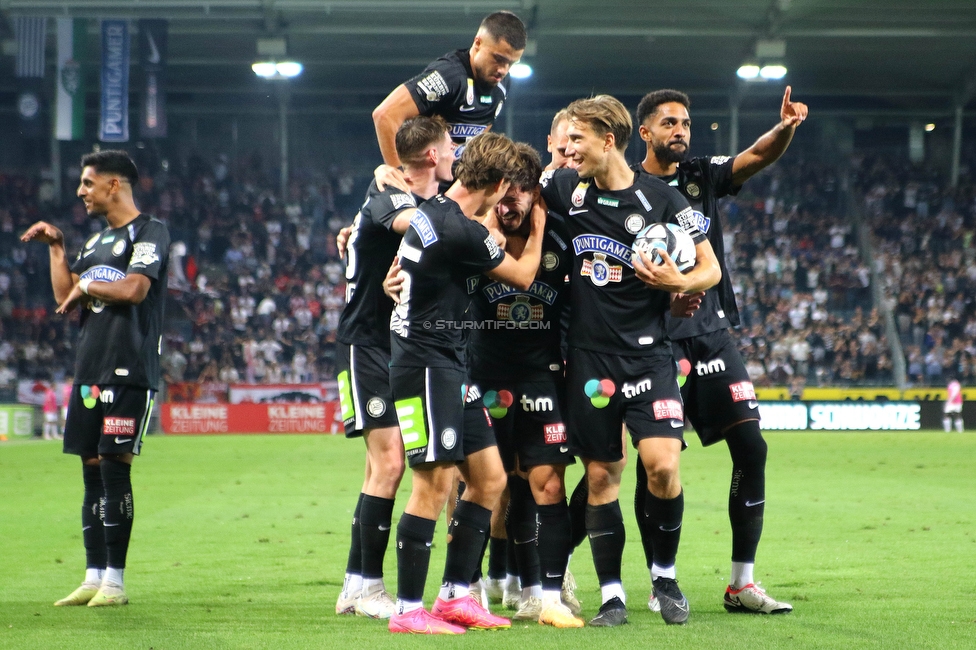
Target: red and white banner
{"points": [[324, 417]]}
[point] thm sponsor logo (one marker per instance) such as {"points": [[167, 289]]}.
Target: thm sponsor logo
{"points": [[709, 368], [539, 404], [633, 390]]}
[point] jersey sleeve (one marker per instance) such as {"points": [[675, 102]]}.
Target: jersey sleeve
{"points": [[683, 215], [476, 248], [150, 250], [438, 85], [719, 170], [551, 181], [386, 205]]}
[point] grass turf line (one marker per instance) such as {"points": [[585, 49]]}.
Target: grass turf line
{"points": [[241, 542]]}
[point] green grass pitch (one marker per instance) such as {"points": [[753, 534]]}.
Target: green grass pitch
{"points": [[241, 541]]}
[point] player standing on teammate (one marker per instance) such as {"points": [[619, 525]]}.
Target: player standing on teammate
{"points": [[719, 399], [442, 418], [953, 406], [464, 87], [620, 368], [518, 365], [119, 279], [363, 337]]}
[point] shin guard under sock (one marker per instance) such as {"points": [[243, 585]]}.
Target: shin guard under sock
{"points": [[116, 479], [375, 518], [664, 517], [522, 524], [747, 492], [497, 554], [92, 528], [354, 565], [469, 529], [577, 512], [554, 544], [413, 540], [605, 527], [643, 523]]}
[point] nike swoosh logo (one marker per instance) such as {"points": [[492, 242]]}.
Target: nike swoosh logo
{"points": [[383, 528], [603, 534], [85, 528], [467, 109], [670, 530], [753, 405], [750, 504], [551, 575], [677, 424], [153, 50], [121, 442], [683, 606], [108, 525], [574, 211]]}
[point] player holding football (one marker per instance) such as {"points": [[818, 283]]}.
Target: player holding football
{"points": [[620, 368], [119, 280], [442, 418], [363, 338], [719, 399], [464, 87]]}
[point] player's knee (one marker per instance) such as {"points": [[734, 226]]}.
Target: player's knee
{"points": [[746, 444], [662, 471], [601, 479]]}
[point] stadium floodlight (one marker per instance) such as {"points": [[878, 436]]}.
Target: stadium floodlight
{"points": [[748, 71], [520, 70], [277, 70], [773, 71], [930, 127]]}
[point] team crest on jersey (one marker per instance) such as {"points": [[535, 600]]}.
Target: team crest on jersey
{"points": [[401, 200], [550, 261], [600, 271], [520, 311], [144, 254], [119, 248], [693, 190], [634, 223], [469, 97], [579, 194], [546, 177], [719, 160]]}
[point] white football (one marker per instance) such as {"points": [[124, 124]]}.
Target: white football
{"points": [[666, 236]]}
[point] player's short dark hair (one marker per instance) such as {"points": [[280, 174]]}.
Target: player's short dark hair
{"points": [[560, 116], [418, 134], [648, 105], [112, 161], [487, 159], [604, 114], [526, 177], [505, 26]]}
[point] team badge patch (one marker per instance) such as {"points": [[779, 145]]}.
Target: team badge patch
{"points": [[433, 86], [520, 311], [143, 254], [600, 271], [579, 194], [550, 261], [634, 224], [119, 248], [448, 438], [375, 407], [693, 190]]}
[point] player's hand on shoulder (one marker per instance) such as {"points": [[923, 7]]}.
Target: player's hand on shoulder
{"points": [[684, 305], [386, 175], [44, 233], [491, 223], [792, 113], [393, 281], [538, 216]]}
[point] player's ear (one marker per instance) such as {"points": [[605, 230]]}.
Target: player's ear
{"points": [[609, 141], [645, 133]]}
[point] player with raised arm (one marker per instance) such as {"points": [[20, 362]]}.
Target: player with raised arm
{"points": [[363, 338], [119, 280], [442, 418], [620, 368], [719, 398], [464, 87]]}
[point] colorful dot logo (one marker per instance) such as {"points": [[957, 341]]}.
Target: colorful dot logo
{"points": [[684, 367], [498, 402], [89, 396], [599, 391]]}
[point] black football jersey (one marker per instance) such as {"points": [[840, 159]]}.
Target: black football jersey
{"points": [[612, 310], [703, 181], [365, 320], [121, 344], [441, 249], [447, 87], [519, 331]]}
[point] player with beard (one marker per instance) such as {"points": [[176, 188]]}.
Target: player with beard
{"points": [[719, 398], [363, 338], [442, 418], [119, 279], [464, 87], [519, 367], [620, 368]]}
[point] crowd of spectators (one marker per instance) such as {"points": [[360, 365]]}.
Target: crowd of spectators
{"points": [[256, 286]]}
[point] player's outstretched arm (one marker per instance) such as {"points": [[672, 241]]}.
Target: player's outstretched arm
{"points": [[772, 144], [520, 273], [62, 280], [387, 118]]}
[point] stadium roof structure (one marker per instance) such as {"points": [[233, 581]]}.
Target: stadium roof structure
{"points": [[899, 58]]}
